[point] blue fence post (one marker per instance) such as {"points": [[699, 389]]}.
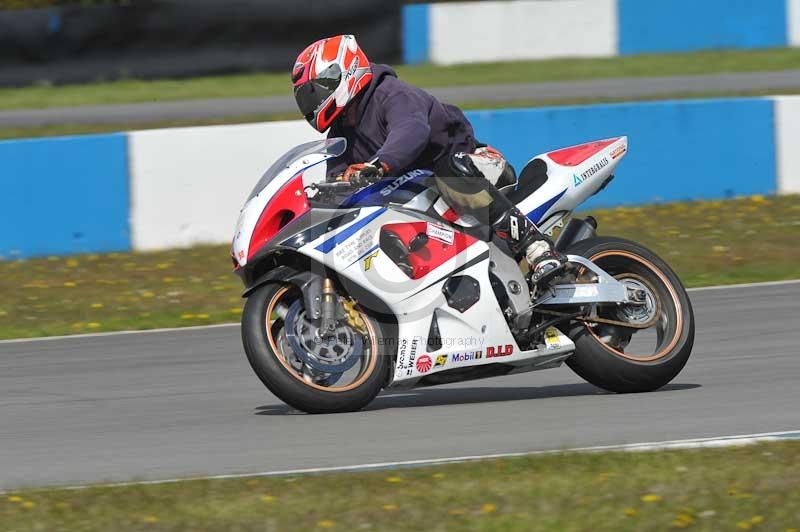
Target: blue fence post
{"points": [[416, 34]]}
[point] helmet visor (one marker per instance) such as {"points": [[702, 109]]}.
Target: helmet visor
{"points": [[311, 94]]}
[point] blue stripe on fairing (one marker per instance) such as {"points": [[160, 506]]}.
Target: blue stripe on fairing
{"points": [[341, 236], [536, 214], [371, 196], [325, 247]]}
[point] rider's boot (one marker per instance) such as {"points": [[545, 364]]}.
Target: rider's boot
{"points": [[524, 238], [470, 191]]}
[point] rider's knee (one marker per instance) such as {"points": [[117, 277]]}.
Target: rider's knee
{"points": [[461, 164], [485, 162]]}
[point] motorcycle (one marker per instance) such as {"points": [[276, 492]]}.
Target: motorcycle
{"points": [[350, 292]]}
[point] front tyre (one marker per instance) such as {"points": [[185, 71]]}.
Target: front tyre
{"points": [[351, 385], [621, 359]]}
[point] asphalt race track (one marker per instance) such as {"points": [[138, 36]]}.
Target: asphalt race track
{"points": [[616, 88], [168, 404]]}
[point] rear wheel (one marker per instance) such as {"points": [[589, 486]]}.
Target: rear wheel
{"points": [[650, 353], [339, 373]]}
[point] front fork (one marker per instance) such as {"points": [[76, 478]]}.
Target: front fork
{"points": [[335, 309], [329, 304]]}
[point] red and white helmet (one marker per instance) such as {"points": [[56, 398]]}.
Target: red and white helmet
{"points": [[327, 76]]}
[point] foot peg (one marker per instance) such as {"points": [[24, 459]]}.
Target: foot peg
{"points": [[546, 266]]}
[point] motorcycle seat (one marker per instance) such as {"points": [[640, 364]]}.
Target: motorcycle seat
{"points": [[532, 177]]}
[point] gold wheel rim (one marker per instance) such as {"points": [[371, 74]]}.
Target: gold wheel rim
{"points": [[278, 353], [673, 295]]}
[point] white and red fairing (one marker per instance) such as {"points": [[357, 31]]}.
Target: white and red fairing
{"points": [[573, 175], [478, 335], [281, 196]]}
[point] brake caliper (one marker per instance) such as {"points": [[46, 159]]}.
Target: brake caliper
{"points": [[353, 316]]}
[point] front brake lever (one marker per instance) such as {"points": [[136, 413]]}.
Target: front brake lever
{"points": [[329, 190]]}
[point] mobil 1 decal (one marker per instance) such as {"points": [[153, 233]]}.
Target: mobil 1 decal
{"points": [[468, 356]]}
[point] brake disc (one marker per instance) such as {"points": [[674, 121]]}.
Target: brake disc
{"points": [[646, 306], [333, 352]]}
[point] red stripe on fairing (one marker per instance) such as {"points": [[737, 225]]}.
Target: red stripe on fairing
{"points": [[575, 155], [289, 203], [450, 215], [434, 253]]}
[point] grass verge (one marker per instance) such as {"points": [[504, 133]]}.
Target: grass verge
{"points": [[254, 85], [710, 242], [740, 488]]}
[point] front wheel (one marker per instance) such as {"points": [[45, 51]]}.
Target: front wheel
{"points": [[650, 353], [341, 372]]}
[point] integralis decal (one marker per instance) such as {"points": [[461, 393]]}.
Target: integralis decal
{"points": [[596, 167]]}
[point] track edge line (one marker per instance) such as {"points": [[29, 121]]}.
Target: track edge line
{"points": [[693, 443]]}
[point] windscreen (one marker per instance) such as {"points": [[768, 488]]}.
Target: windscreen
{"points": [[332, 147]]}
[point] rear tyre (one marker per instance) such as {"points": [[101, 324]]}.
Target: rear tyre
{"points": [[605, 354], [284, 374]]}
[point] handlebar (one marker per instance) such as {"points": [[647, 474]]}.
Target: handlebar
{"points": [[328, 191], [334, 186]]}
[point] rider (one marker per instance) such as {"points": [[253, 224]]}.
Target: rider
{"points": [[392, 127]]}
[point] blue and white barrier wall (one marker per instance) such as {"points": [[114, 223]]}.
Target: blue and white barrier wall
{"points": [[448, 33], [158, 189], [64, 195], [187, 185]]}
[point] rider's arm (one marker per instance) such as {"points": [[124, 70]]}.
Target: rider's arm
{"points": [[406, 116]]}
